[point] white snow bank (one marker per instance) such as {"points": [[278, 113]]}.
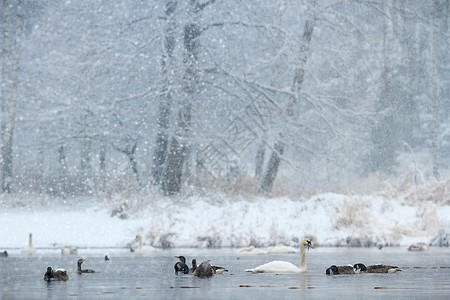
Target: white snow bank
{"points": [[331, 219]]}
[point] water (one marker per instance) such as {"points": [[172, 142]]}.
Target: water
{"points": [[128, 275]]}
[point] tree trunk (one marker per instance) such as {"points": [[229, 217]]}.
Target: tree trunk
{"points": [[179, 147], [435, 84], [270, 174], [259, 160], [85, 162], [165, 104], [10, 81], [130, 152], [266, 182]]}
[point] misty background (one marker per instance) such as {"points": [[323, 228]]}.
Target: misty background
{"points": [[178, 97]]}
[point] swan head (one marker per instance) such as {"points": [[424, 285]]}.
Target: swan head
{"points": [[138, 237], [361, 267], [306, 242]]}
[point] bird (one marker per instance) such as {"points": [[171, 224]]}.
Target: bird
{"points": [[336, 270], [194, 266], [250, 251], [29, 249], [376, 268], [143, 249], [106, 258], [181, 266], [418, 247], [284, 267], [56, 275], [280, 249], [4, 254], [204, 270], [67, 250], [219, 270], [79, 270]]}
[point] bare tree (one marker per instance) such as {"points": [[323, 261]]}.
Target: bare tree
{"points": [[180, 144], [10, 80], [166, 97], [266, 182]]}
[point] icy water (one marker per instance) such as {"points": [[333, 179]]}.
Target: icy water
{"points": [[127, 275]]}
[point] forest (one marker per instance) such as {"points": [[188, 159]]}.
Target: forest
{"points": [[257, 97]]}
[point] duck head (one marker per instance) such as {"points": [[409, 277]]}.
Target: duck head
{"points": [[333, 270], [49, 273], [360, 267], [80, 261], [182, 259]]}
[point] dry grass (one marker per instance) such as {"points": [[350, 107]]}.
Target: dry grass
{"points": [[352, 213]]}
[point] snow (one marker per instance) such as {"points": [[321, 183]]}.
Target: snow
{"points": [[329, 219]]}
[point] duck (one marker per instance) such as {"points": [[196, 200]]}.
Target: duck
{"points": [[29, 249], [250, 251], [181, 266], [376, 268], [219, 270], [4, 254], [56, 275], [280, 249], [79, 270], [106, 258], [336, 270], [204, 270], [194, 267], [143, 249], [67, 250], [284, 267], [418, 247]]}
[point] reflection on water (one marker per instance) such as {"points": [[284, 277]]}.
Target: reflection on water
{"points": [[127, 275]]}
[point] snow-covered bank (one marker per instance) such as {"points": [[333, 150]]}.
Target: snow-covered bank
{"points": [[331, 219]]}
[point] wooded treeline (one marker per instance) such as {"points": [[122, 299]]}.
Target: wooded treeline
{"points": [[178, 95]]}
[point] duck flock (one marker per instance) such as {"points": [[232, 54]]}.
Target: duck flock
{"points": [[206, 270]]}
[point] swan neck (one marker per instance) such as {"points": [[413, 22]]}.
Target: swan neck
{"points": [[302, 257], [30, 243], [140, 243]]}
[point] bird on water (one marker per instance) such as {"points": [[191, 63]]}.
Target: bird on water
{"points": [[79, 270], [181, 266]]}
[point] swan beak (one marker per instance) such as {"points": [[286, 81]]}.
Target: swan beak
{"points": [[310, 245]]}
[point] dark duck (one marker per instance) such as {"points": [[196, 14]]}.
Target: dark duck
{"points": [[181, 266], [376, 268], [56, 275], [4, 254], [204, 270], [337, 270], [194, 266], [79, 270]]}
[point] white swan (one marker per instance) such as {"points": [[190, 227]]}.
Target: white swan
{"points": [[29, 249], [144, 249], [418, 247], [280, 249], [250, 251], [67, 250], [284, 267]]}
